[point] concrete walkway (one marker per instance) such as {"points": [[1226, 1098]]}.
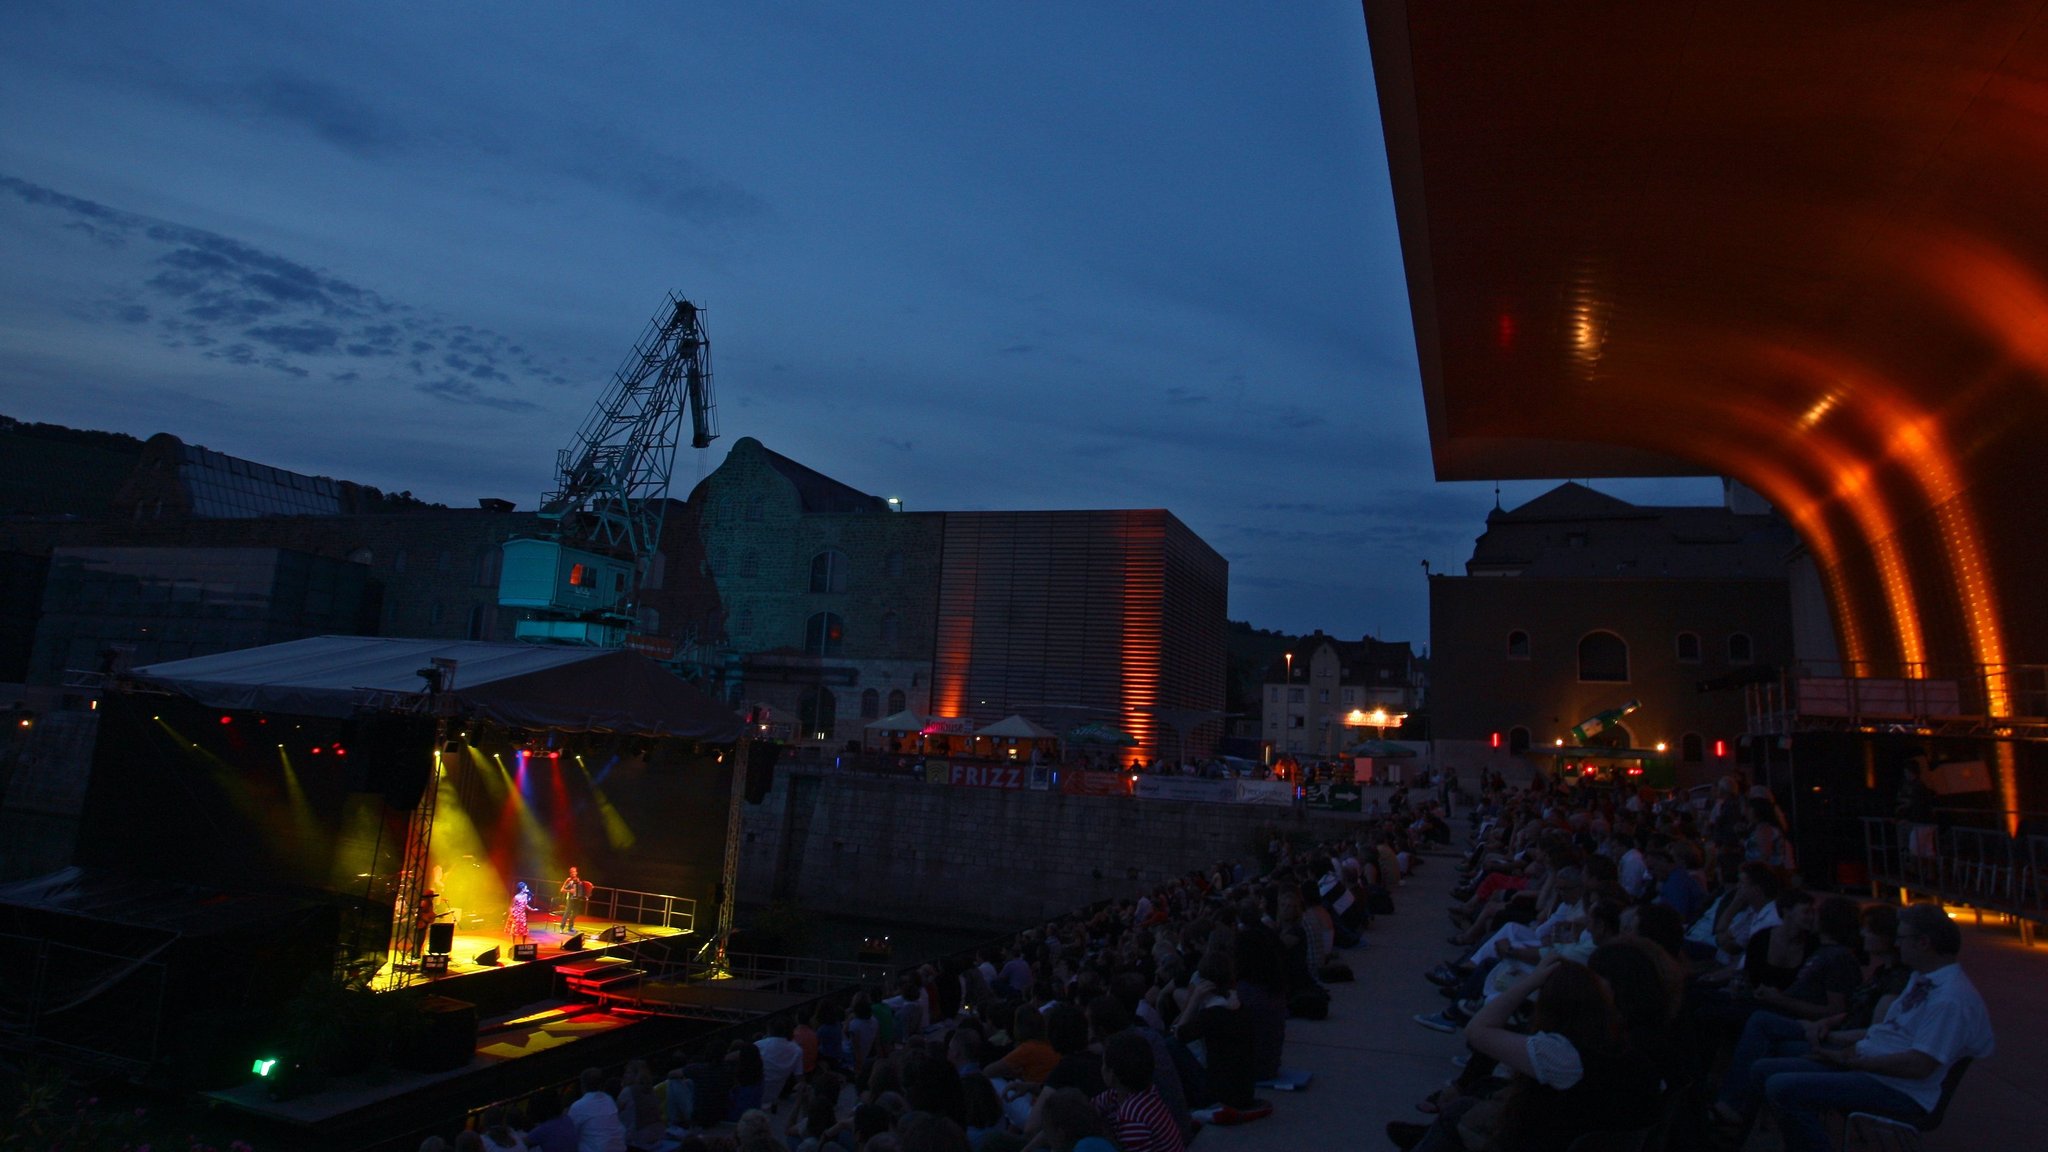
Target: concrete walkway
{"points": [[1373, 1062]]}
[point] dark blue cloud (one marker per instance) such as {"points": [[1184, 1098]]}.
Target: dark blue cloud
{"points": [[253, 307]]}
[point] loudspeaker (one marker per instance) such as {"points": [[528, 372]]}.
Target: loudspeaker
{"points": [[397, 754], [434, 965], [488, 956], [526, 952], [616, 934], [440, 938], [574, 943], [760, 769]]}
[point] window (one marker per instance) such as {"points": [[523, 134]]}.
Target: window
{"points": [[487, 567], [1350, 696], [828, 571], [753, 508], [743, 622], [1297, 695], [896, 701], [1518, 645], [1575, 539], [1322, 695], [434, 612], [1740, 651], [1518, 740], [870, 704], [1297, 721], [889, 628], [398, 560], [657, 572], [750, 563], [1603, 658], [822, 635], [580, 576], [1688, 648], [479, 622], [817, 713], [1690, 748], [1273, 694], [895, 564]]}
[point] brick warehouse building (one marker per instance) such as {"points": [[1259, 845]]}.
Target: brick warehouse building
{"points": [[841, 610]]}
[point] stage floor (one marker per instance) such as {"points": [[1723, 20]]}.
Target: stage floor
{"points": [[462, 960]]}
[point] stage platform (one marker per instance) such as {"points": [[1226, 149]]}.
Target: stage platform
{"points": [[474, 942]]}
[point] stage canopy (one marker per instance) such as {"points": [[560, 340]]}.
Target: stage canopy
{"points": [[517, 685]]}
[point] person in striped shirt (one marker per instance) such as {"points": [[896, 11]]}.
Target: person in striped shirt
{"points": [[1133, 1107]]}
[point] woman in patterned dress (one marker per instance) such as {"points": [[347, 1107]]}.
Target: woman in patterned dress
{"points": [[516, 920]]}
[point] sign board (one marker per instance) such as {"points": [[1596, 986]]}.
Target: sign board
{"points": [[1075, 782], [1279, 793], [1338, 796], [1186, 788], [937, 771]]}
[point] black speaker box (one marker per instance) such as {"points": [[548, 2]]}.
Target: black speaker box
{"points": [[574, 943], [526, 952], [616, 934], [445, 1038], [440, 938], [488, 956]]}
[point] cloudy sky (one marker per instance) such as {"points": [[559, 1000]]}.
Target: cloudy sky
{"points": [[994, 255]]}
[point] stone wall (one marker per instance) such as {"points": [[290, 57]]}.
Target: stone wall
{"points": [[906, 851]]}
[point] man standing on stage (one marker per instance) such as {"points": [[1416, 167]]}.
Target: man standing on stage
{"points": [[574, 892]]}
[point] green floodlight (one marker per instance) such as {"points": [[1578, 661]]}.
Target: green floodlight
{"points": [[263, 1067]]}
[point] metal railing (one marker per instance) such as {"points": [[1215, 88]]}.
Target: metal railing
{"points": [[657, 973], [91, 1007], [622, 905], [1982, 868], [1920, 695]]}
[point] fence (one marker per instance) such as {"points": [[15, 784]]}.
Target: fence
{"points": [[622, 905], [1980, 867]]}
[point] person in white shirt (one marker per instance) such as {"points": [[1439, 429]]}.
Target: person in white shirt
{"points": [[1634, 871], [782, 1060], [1564, 922], [596, 1116], [1896, 1067]]}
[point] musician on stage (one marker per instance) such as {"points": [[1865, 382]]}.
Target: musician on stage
{"points": [[515, 920], [575, 890]]}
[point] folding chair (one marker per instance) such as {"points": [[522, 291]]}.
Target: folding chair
{"points": [[1869, 1132]]}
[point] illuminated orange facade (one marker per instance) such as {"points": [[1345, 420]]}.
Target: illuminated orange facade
{"points": [[1113, 616], [1797, 243]]}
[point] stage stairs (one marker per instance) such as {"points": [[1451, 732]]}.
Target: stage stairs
{"points": [[651, 978]]}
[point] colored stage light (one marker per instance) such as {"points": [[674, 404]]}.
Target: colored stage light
{"points": [[263, 1067], [227, 719], [316, 749], [1720, 748]]}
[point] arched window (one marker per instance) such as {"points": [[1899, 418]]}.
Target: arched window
{"points": [[895, 563], [1518, 740], [1690, 748], [1518, 645], [870, 704], [823, 634], [750, 563], [1603, 657], [896, 701], [1740, 650], [487, 567], [828, 571], [1688, 647], [816, 713], [889, 628]]}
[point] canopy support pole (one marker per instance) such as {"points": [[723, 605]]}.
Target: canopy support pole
{"points": [[729, 871]]}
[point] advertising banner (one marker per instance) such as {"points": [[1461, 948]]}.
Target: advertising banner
{"points": [[987, 775], [1075, 782], [1271, 792], [937, 771], [1186, 788]]}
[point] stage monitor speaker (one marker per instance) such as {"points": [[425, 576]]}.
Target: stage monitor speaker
{"points": [[440, 938], [488, 957], [434, 964], [616, 934], [574, 943], [526, 952]]}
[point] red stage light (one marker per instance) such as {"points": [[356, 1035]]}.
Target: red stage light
{"points": [[340, 751], [554, 755], [227, 719], [316, 749], [1496, 739], [1720, 749]]}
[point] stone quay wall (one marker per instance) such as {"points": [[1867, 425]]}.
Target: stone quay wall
{"points": [[903, 850]]}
